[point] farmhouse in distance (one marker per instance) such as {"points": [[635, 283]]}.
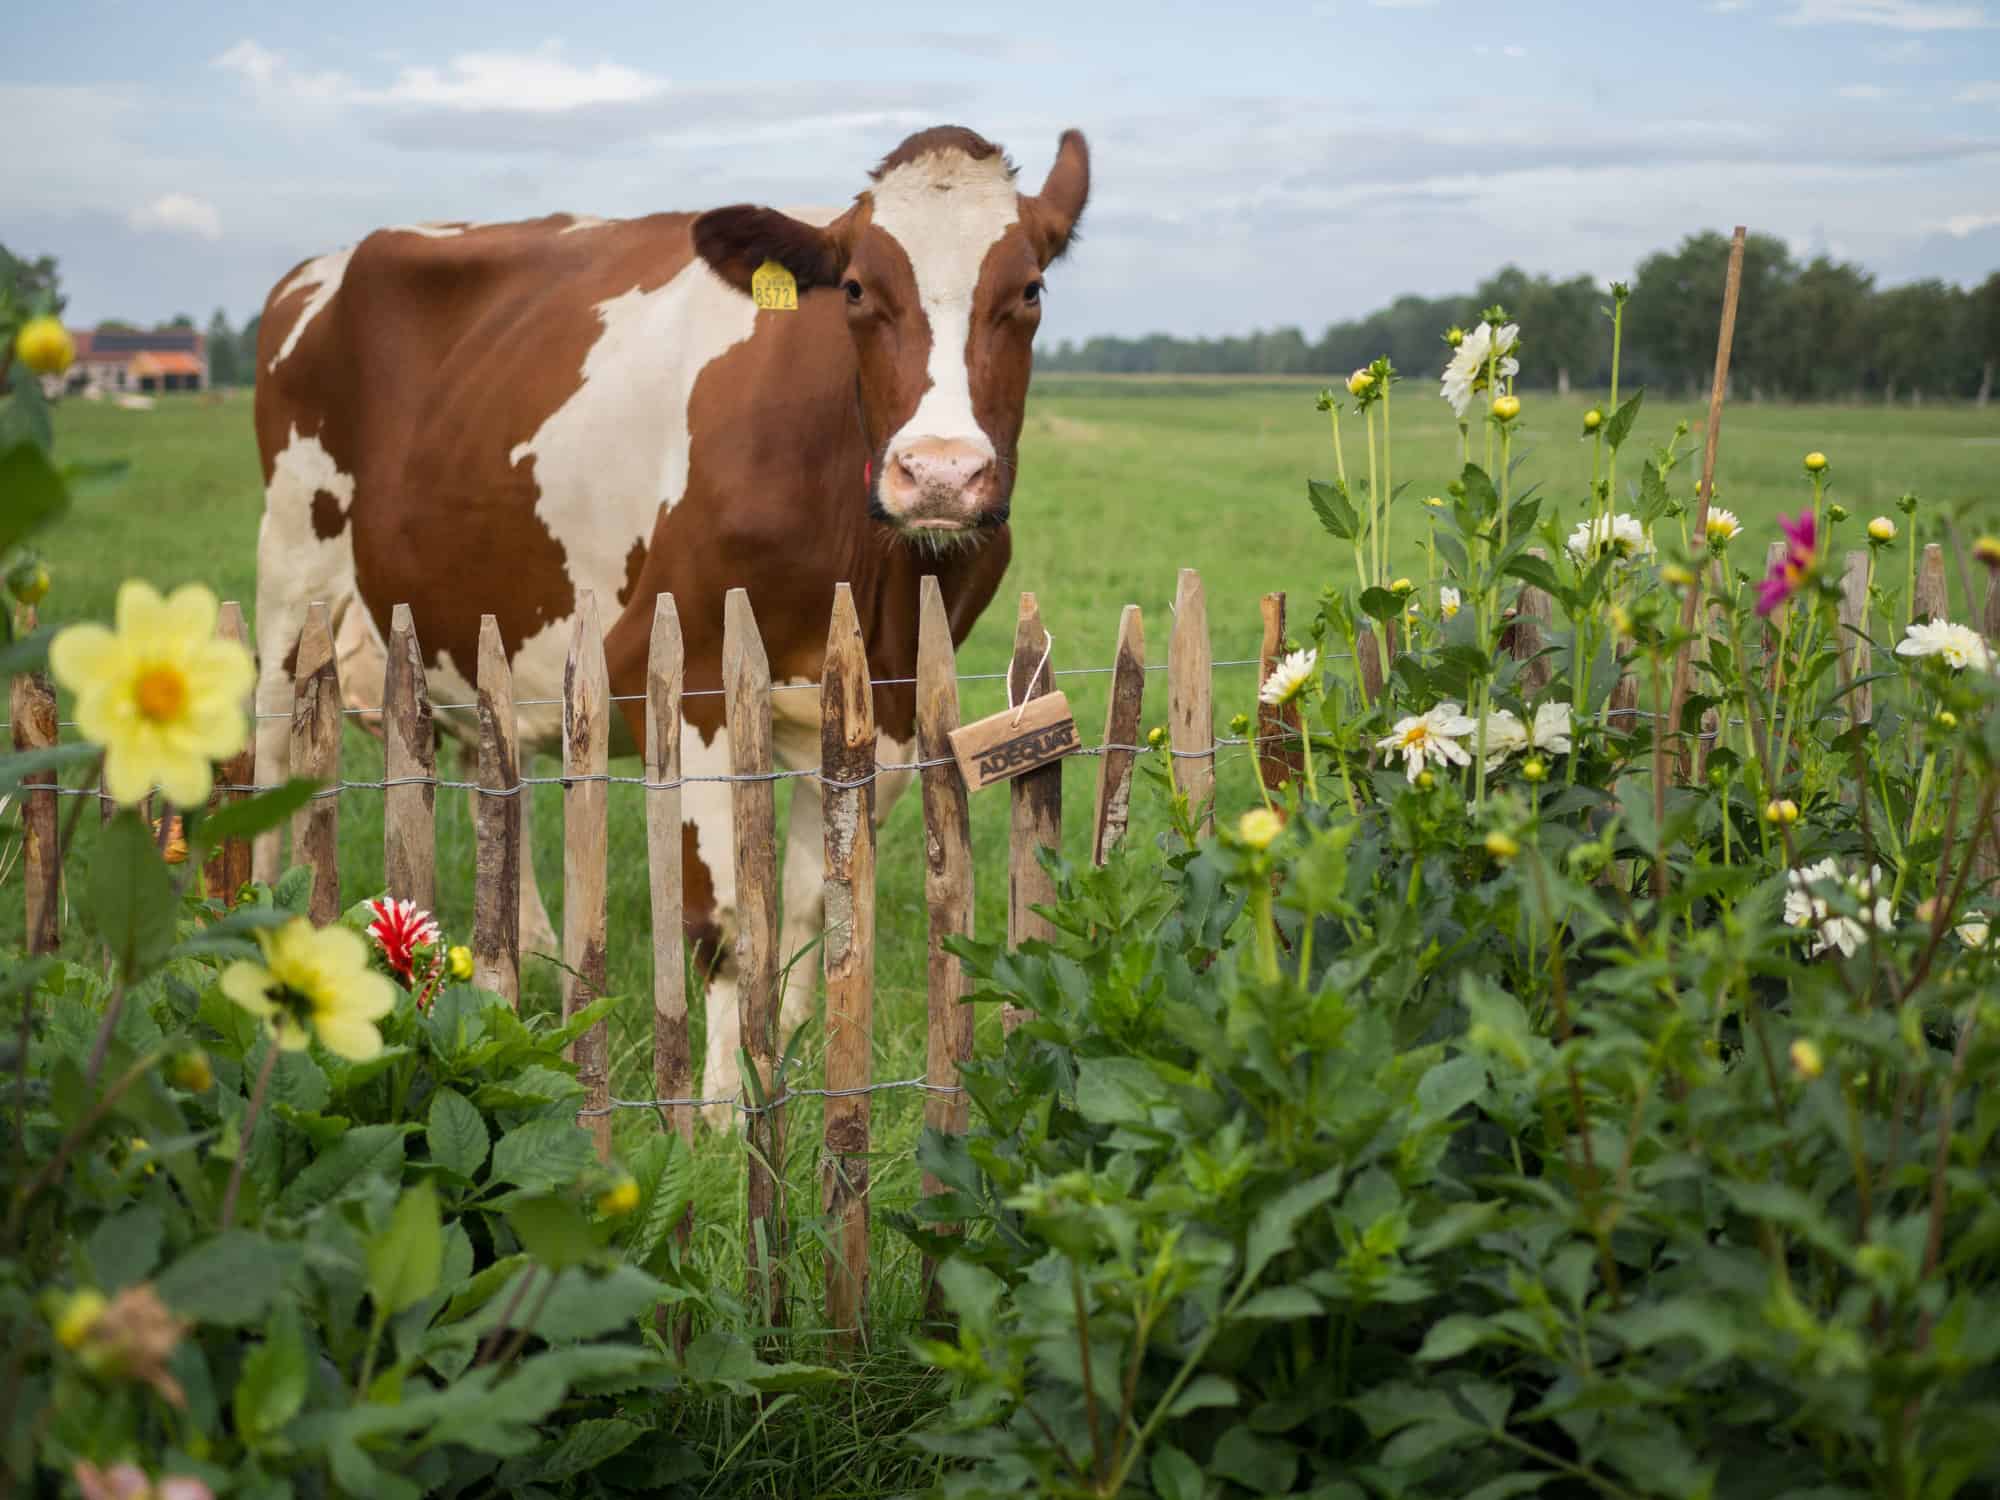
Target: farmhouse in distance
{"points": [[116, 360]]}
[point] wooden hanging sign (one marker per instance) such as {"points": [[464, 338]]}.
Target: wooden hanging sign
{"points": [[1015, 741]]}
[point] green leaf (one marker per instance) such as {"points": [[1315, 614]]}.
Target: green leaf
{"points": [[253, 815], [1281, 1303], [1451, 1336], [272, 1387], [1620, 426], [543, 1154], [1510, 1485], [1480, 496], [1380, 604], [586, 1445], [1336, 513], [32, 493], [553, 1230], [132, 896], [1262, 1465], [1536, 571], [230, 1279], [90, 476], [226, 935], [1271, 1231], [583, 1020], [406, 1260], [363, 1151], [457, 1134], [1451, 1085], [1203, 1390], [1175, 1475], [24, 419], [125, 1247]]}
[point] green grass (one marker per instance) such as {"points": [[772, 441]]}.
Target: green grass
{"points": [[1123, 482]]}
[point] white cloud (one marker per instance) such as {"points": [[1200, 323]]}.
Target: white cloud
{"points": [[541, 82], [273, 78], [1897, 15], [178, 213], [1986, 91], [1866, 91], [1514, 51], [1728, 7], [1958, 226]]}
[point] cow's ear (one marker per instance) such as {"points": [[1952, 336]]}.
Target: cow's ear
{"points": [[735, 241], [1053, 213]]}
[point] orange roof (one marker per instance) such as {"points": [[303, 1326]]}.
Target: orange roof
{"points": [[164, 362]]}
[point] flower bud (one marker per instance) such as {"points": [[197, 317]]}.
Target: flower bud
{"points": [[619, 1199], [1781, 810], [1907, 503], [1881, 530], [1987, 550], [1836, 512], [1259, 828], [1358, 382], [1946, 719], [1815, 462], [1425, 781], [1592, 420], [1506, 408], [1501, 846], [77, 1317], [459, 957], [1156, 736], [44, 345], [1401, 586], [1806, 1060], [1535, 769], [29, 583], [1436, 502], [1454, 336], [1240, 724], [1456, 489], [1677, 575], [190, 1072]]}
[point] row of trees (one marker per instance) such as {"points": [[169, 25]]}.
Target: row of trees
{"points": [[1817, 331]]}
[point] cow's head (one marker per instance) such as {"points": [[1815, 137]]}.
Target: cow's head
{"points": [[939, 266]]}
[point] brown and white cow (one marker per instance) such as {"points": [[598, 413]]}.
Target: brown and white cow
{"points": [[476, 419]]}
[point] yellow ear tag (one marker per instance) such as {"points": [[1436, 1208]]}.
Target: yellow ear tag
{"points": [[774, 287]]}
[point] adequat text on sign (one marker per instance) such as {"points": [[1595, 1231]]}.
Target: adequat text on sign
{"points": [[1015, 741]]}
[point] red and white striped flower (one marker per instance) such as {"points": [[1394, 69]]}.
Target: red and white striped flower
{"points": [[400, 928]]}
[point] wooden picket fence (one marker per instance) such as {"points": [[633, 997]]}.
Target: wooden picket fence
{"points": [[847, 775]]}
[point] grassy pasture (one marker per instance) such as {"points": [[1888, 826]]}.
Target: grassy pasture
{"points": [[1123, 482]]}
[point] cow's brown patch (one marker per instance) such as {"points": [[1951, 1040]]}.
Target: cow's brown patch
{"points": [[329, 517], [634, 561], [939, 138]]}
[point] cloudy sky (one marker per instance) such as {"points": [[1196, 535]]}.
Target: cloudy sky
{"points": [[1254, 166]]}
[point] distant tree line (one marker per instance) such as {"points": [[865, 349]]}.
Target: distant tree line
{"points": [[1818, 331]]}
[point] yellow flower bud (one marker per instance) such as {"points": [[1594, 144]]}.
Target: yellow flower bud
{"points": [[44, 346], [1677, 575], [1881, 529], [1781, 810], [1436, 502], [1156, 736], [1260, 827], [1425, 781], [1506, 408], [1621, 619], [1806, 1060], [1401, 586], [1946, 719], [1535, 769], [1836, 512], [1240, 724], [1815, 462], [1987, 550], [1454, 336], [190, 1072], [1358, 382], [140, 1147], [619, 1199], [460, 959], [78, 1317], [1501, 846], [1592, 420]]}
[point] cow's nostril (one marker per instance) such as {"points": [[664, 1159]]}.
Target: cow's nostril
{"points": [[905, 468]]}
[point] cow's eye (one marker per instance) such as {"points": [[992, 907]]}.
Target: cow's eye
{"points": [[1032, 293], [853, 289]]}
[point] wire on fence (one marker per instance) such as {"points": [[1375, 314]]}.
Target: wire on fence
{"points": [[923, 1085]]}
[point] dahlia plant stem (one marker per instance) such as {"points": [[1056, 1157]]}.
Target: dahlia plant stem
{"points": [[1917, 807], [1375, 563], [1617, 351], [1388, 483], [248, 1132], [1910, 579]]}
